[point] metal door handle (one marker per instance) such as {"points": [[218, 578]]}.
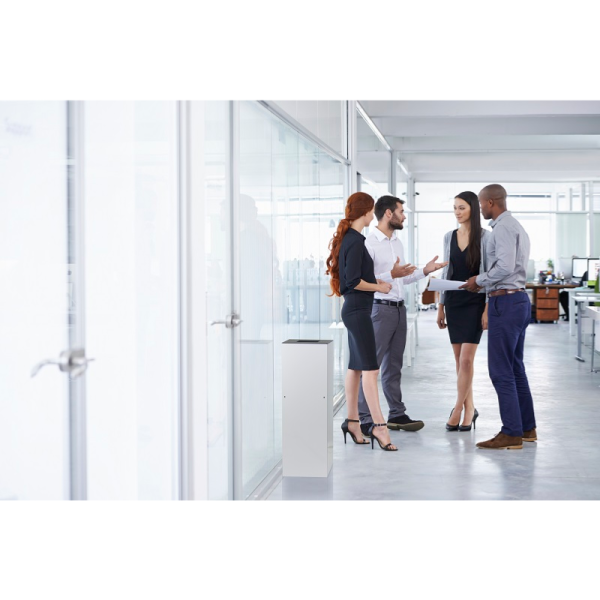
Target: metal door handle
{"points": [[231, 321], [37, 367], [72, 362]]}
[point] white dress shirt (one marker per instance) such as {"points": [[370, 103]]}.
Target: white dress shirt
{"points": [[384, 251]]}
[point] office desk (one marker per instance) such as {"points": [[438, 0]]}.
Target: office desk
{"points": [[580, 299], [572, 310], [594, 313], [545, 299]]}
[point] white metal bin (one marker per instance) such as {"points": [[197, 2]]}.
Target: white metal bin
{"points": [[307, 369]]}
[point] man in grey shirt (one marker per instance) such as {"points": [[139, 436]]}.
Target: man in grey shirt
{"points": [[509, 313]]}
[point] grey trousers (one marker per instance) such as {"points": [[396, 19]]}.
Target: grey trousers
{"points": [[389, 323]]}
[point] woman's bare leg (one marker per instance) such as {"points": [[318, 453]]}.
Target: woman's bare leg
{"points": [[352, 385], [369, 381], [465, 380], [458, 406]]}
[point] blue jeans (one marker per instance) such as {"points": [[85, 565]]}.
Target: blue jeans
{"points": [[508, 318]]}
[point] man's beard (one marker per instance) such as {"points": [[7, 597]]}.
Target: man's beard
{"points": [[396, 225]]}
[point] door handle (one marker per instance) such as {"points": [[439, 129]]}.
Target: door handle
{"points": [[72, 362], [231, 321]]}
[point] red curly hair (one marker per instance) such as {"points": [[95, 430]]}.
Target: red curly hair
{"points": [[358, 205]]}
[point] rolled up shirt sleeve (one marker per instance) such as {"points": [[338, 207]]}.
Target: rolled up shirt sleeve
{"points": [[506, 258], [353, 266], [416, 276]]}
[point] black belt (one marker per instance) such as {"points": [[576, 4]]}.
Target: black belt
{"points": [[389, 302]]}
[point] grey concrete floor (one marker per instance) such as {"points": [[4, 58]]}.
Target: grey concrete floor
{"points": [[434, 464]]}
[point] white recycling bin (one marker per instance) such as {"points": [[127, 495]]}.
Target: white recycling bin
{"points": [[307, 370]]}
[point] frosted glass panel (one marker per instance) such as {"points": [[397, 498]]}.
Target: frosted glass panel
{"points": [[596, 235], [35, 302], [258, 268], [540, 229], [571, 236], [217, 244], [131, 294]]}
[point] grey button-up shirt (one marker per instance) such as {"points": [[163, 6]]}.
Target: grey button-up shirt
{"points": [[507, 255]]}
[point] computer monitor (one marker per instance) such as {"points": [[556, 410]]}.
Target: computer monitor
{"points": [[593, 265], [579, 267]]}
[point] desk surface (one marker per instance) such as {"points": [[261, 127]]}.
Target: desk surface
{"points": [[593, 312], [558, 286], [586, 297]]}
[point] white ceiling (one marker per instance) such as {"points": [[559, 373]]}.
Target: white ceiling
{"points": [[492, 141]]}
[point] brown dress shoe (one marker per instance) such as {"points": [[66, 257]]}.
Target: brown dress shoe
{"points": [[502, 442], [530, 436]]}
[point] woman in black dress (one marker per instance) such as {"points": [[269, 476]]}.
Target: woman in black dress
{"points": [[351, 269], [464, 313]]}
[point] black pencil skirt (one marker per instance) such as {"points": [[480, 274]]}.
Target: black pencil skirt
{"points": [[356, 315], [463, 316]]}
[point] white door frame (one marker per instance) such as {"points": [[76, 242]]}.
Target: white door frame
{"points": [[76, 256]]}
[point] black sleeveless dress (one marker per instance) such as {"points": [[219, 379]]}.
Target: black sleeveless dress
{"points": [[463, 309]]}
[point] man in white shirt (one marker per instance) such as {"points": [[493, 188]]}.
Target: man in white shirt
{"points": [[389, 311]]}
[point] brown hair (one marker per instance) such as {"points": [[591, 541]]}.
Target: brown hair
{"points": [[358, 205], [474, 247]]}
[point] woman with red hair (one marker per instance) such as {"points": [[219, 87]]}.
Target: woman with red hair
{"points": [[352, 276]]}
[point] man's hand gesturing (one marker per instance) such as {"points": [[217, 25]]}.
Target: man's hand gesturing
{"points": [[432, 266], [399, 270]]}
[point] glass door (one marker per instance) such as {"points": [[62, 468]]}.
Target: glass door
{"points": [[217, 180], [37, 301], [131, 308]]}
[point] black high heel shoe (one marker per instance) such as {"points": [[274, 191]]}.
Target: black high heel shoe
{"points": [[468, 427], [451, 427], [347, 431], [387, 447]]}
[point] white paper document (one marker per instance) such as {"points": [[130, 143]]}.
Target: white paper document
{"points": [[443, 285]]}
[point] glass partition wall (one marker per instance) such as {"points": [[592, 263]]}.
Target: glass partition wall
{"points": [[88, 251], [291, 200]]}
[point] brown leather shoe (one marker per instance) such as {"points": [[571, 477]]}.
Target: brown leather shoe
{"points": [[502, 442], [530, 436]]}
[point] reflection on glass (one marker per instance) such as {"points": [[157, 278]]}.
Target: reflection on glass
{"points": [[217, 244], [290, 203]]}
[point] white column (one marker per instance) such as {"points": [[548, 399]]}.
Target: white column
{"points": [[77, 387], [393, 178], [410, 202], [591, 219], [570, 198], [194, 448], [352, 147]]}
